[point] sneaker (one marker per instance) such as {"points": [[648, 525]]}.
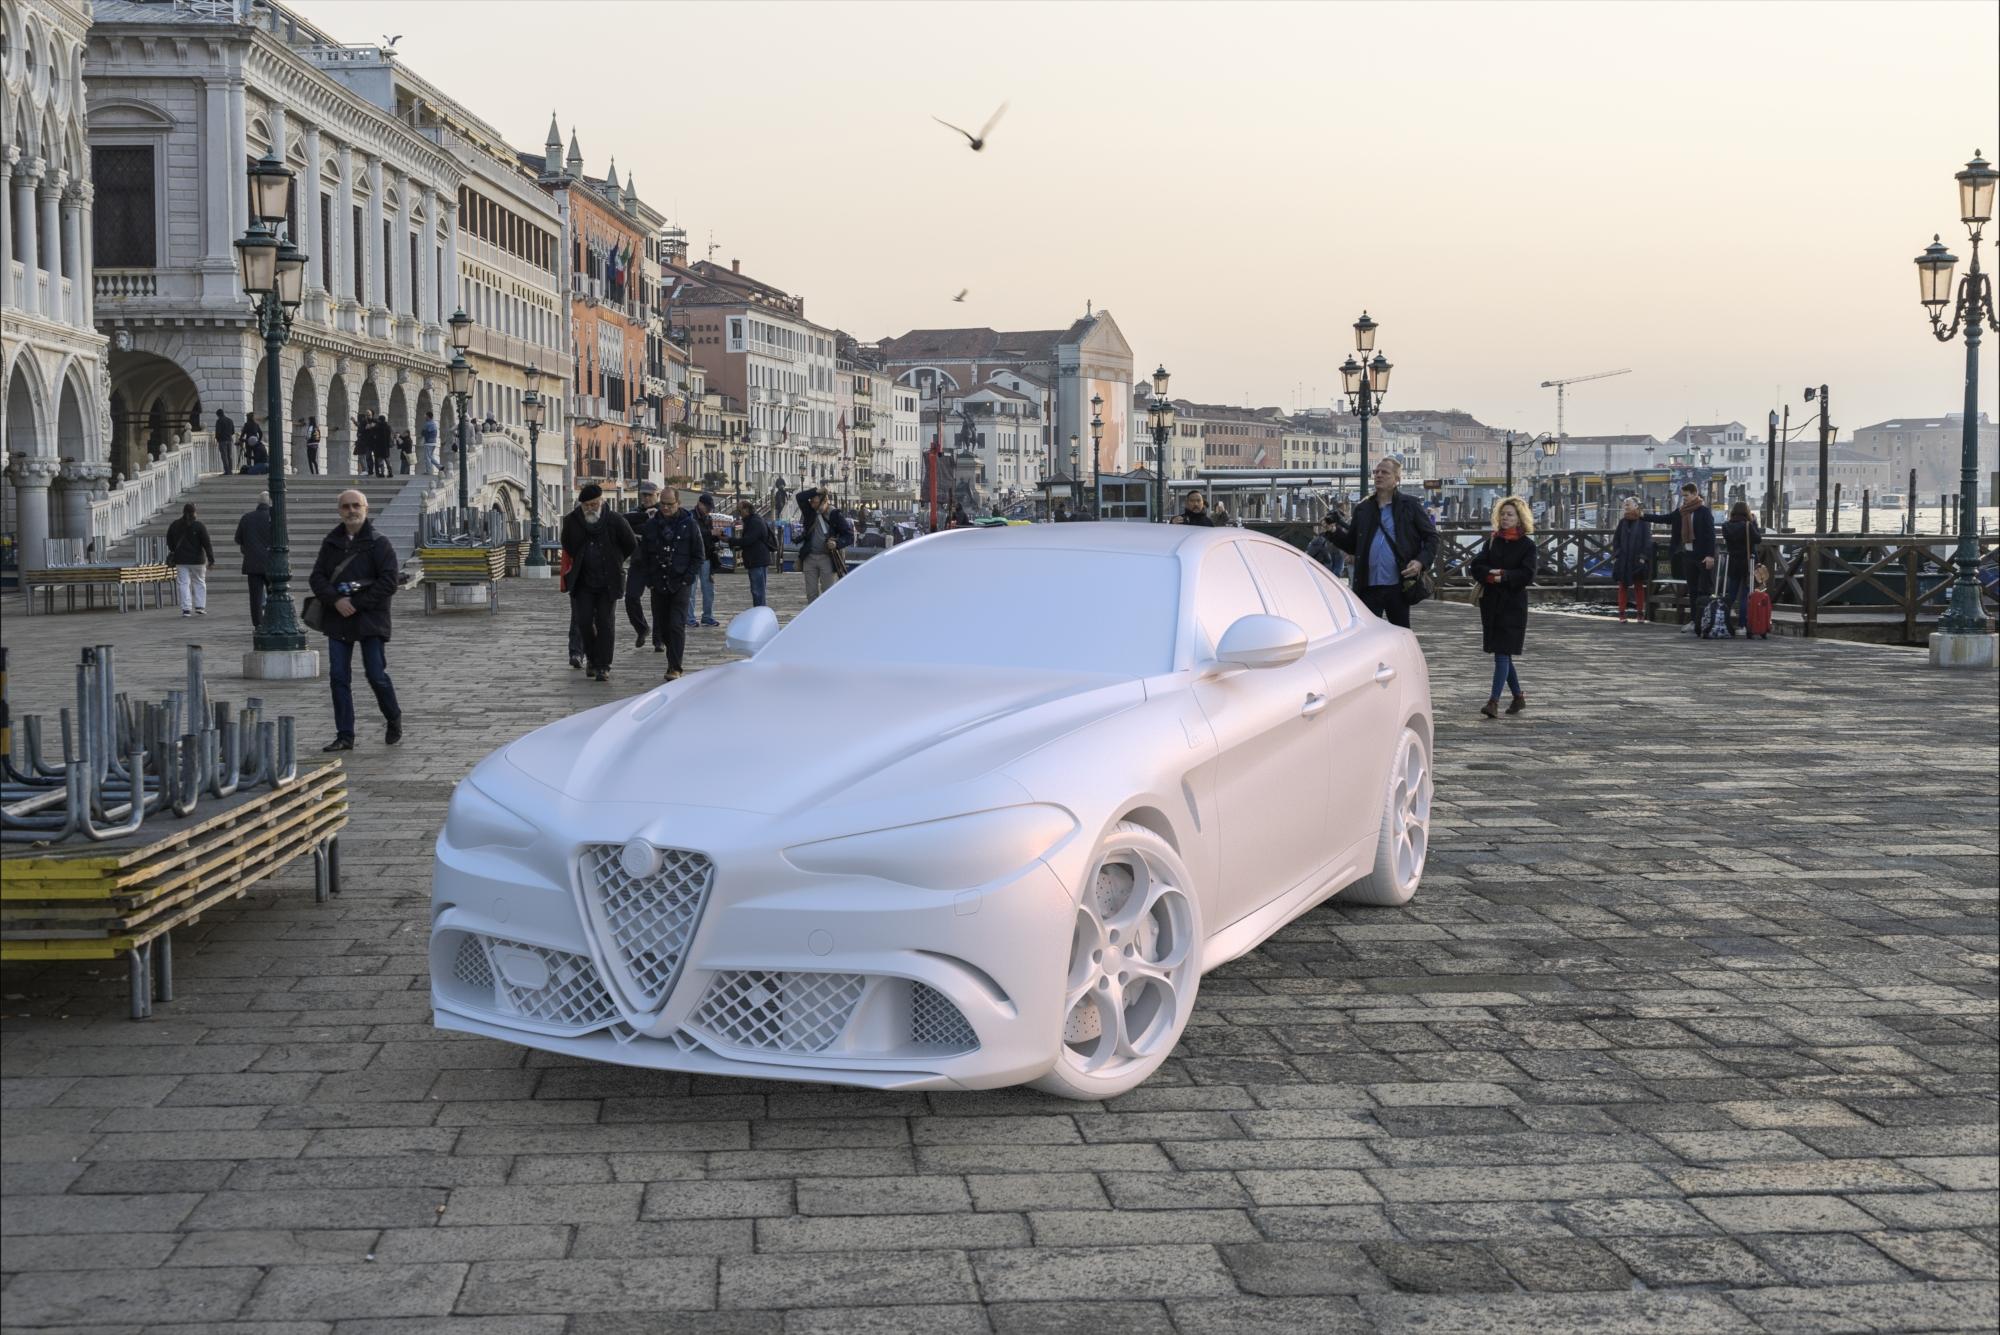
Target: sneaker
{"points": [[201, 611], [395, 733], [187, 614], [673, 674], [339, 744], [692, 624], [711, 623], [604, 674]]}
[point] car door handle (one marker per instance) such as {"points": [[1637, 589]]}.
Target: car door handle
{"points": [[1384, 674], [1314, 706]]}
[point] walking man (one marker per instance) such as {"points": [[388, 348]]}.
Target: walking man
{"points": [[823, 532], [756, 540], [704, 506], [430, 443], [353, 580], [673, 556], [637, 576], [1392, 541], [599, 543], [190, 553], [254, 534], [225, 440]]}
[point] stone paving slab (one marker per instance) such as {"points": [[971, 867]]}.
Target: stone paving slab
{"points": [[1692, 1028]]}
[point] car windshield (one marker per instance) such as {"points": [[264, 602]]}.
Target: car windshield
{"points": [[953, 603]]}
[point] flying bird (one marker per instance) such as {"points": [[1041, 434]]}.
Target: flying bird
{"points": [[387, 40], [978, 141], [961, 294]]}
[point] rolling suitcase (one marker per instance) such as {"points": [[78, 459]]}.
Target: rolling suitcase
{"points": [[1711, 620], [1758, 620]]}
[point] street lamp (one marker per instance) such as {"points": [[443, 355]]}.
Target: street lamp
{"points": [[1542, 446], [531, 412], [1970, 307], [1075, 475], [1096, 450], [1160, 416], [1365, 383], [462, 376], [273, 272]]}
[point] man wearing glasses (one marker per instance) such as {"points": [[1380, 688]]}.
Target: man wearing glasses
{"points": [[353, 581]]}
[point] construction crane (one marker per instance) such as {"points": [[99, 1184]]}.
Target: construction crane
{"points": [[1557, 386]]}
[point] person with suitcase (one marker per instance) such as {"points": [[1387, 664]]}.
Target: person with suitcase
{"points": [[1739, 540], [1757, 619]]}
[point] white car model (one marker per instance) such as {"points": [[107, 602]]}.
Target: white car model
{"points": [[982, 814]]}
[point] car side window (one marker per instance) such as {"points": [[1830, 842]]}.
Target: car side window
{"points": [[1338, 600], [1289, 585], [1224, 593]]}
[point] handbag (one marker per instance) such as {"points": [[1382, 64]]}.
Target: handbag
{"points": [[311, 611]]}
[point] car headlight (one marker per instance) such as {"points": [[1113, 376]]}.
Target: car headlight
{"points": [[475, 819], [956, 853]]}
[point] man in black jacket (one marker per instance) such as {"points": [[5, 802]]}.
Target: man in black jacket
{"points": [[254, 536], [1692, 553], [599, 542], [757, 542], [353, 580], [636, 577], [711, 546], [225, 440], [1388, 551], [673, 556]]}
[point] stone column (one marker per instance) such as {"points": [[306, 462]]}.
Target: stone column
{"points": [[237, 159], [32, 475], [83, 482], [225, 176], [6, 228], [343, 230], [427, 251], [72, 251], [279, 143], [371, 246], [406, 280], [309, 210], [86, 196], [451, 297], [50, 195]]}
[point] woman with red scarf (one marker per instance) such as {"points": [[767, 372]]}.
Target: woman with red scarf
{"points": [[1503, 570]]}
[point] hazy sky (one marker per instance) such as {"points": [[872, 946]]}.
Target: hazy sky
{"points": [[1724, 197]]}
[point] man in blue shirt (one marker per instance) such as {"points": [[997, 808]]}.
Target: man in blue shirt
{"points": [[1392, 540]]}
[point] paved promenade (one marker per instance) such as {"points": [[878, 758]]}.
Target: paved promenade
{"points": [[1690, 1029]]}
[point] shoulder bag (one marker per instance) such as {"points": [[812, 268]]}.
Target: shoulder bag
{"points": [[311, 612]]}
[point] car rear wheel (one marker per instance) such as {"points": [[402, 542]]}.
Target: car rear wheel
{"points": [[1134, 963], [1406, 829]]}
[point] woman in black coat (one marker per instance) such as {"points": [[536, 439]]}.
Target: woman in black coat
{"points": [[1503, 570], [1740, 537], [1632, 557]]}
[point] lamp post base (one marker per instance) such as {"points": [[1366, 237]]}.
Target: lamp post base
{"points": [[542, 571], [281, 664], [1964, 651]]}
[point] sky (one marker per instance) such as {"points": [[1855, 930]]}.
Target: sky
{"points": [[1723, 197]]}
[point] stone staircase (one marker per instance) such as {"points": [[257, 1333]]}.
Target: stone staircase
{"points": [[394, 503]]}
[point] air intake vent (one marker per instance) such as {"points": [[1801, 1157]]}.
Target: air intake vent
{"points": [[550, 987], [778, 1012], [648, 919], [936, 1024]]}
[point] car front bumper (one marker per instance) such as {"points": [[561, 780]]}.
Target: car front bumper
{"points": [[783, 974]]}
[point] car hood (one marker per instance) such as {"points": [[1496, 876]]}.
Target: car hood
{"points": [[779, 738]]}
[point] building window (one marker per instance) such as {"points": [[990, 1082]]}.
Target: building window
{"points": [[124, 229]]}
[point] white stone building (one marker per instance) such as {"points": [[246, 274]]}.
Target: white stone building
{"points": [[52, 378], [905, 435]]}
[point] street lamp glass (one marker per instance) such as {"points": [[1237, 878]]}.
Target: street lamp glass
{"points": [[461, 329], [1160, 383], [291, 275], [1096, 404], [531, 408], [1378, 375], [1975, 191], [270, 190], [1350, 377], [461, 376], [1934, 271], [257, 254], [534, 378], [1364, 334]]}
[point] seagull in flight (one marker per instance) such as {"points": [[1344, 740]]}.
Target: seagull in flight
{"points": [[978, 141], [961, 294], [389, 41]]}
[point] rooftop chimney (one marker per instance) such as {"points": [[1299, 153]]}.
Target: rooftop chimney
{"points": [[736, 266]]}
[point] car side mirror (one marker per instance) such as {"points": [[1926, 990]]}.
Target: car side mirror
{"points": [[1261, 641], [750, 630]]}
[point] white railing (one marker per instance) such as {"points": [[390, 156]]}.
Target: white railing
{"points": [[494, 458], [143, 496]]}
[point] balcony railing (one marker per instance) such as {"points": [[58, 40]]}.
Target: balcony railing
{"points": [[125, 284]]}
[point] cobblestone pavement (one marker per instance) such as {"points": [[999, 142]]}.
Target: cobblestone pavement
{"points": [[1691, 1028]]}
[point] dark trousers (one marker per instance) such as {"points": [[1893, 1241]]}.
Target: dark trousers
{"points": [[670, 609], [256, 583], [635, 602], [1737, 593], [759, 578], [596, 616], [1700, 584], [1387, 601], [375, 663], [227, 449], [405, 456], [312, 460]]}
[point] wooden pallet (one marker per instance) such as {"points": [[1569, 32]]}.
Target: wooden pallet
{"points": [[114, 579]]}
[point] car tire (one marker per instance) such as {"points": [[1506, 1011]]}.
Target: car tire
{"points": [[1135, 961], [1404, 842]]}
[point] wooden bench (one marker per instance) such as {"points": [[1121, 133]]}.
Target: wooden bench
{"points": [[96, 901], [462, 566], [136, 579]]}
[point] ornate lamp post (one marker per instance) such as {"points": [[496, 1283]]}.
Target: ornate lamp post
{"points": [[531, 412], [1964, 636], [1075, 476], [1160, 416], [1366, 383], [274, 272], [1542, 446], [462, 376], [1096, 445]]}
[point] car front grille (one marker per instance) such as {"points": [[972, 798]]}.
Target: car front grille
{"points": [[647, 921], [552, 987], [937, 1025], [778, 1012]]}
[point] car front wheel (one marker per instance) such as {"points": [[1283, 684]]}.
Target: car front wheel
{"points": [[1134, 962], [1406, 829]]}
